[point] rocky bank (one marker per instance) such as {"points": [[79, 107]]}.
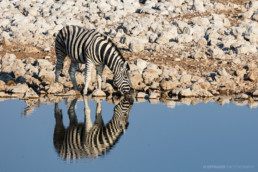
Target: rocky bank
{"points": [[185, 48]]}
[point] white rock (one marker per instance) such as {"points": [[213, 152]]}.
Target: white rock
{"points": [[141, 95], [242, 96], [186, 78], [47, 49], [168, 84], [45, 64], [202, 93], [98, 93], [201, 21], [141, 64], [222, 72], [255, 93], [104, 7], [55, 88], [184, 38], [186, 93], [176, 91], [138, 45], [31, 70], [149, 75], [30, 93], [19, 72], [218, 53], [198, 6], [246, 49], [71, 93], [19, 88], [46, 75], [219, 6], [8, 57], [2, 85], [154, 95]]}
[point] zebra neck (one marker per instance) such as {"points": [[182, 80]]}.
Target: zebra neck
{"points": [[115, 64]]}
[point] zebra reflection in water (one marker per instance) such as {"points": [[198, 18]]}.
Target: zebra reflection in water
{"points": [[89, 140]]}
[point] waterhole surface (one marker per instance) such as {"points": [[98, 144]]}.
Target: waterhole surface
{"points": [[202, 137]]}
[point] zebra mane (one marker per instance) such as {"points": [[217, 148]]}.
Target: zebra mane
{"points": [[116, 48]]}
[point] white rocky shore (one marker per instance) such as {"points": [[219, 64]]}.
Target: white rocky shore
{"points": [[187, 48], [32, 78]]}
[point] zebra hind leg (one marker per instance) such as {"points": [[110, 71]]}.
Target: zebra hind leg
{"points": [[89, 66], [59, 66], [99, 70], [73, 67]]}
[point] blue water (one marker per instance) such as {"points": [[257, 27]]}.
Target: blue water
{"points": [[202, 137]]}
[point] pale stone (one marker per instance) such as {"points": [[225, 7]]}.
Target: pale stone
{"points": [[46, 75], [168, 85], [19, 72], [19, 88], [72, 93], [255, 93], [199, 55], [241, 73], [205, 85], [30, 93], [141, 95], [202, 93], [45, 64], [186, 78], [242, 96], [12, 65], [198, 6], [98, 93], [55, 88], [202, 43], [176, 91], [251, 76], [137, 81], [141, 64], [149, 75], [2, 85], [8, 57], [138, 45], [154, 95], [186, 93]]}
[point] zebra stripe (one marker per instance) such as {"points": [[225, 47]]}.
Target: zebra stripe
{"points": [[89, 140], [92, 48]]}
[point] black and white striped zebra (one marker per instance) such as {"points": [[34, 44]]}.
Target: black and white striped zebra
{"points": [[87, 140], [91, 48]]}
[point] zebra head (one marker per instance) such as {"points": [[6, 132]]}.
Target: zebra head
{"points": [[122, 112], [122, 80]]}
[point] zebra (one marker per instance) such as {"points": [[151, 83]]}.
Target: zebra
{"points": [[90, 47], [89, 140]]}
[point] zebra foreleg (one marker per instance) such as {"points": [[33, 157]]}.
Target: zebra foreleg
{"points": [[87, 119], [99, 71], [59, 132], [71, 113], [59, 66], [72, 70], [98, 118], [89, 66]]}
